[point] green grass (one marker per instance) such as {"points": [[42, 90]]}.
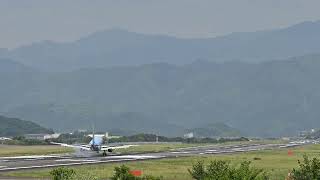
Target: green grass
{"points": [[160, 147], [276, 162], [14, 150], [21, 150]]}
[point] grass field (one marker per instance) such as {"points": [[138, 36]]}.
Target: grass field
{"points": [[20, 150], [276, 162], [13, 150], [158, 147]]}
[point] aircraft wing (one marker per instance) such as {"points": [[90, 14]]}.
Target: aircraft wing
{"points": [[105, 147], [81, 147]]}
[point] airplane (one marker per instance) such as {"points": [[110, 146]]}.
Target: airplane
{"points": [[95, 145]]}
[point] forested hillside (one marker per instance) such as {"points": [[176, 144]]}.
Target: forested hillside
{"points": [[16, 127], [264, 99]]}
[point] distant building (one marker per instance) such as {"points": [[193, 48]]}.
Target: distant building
{"points": [[5, 139], [307, 132], [51, 136], [99, 135], [35, 136], [303, 133], [82, 130], [285, 138], [105, 135], [41, 136], [188, 135], [114, 137]]}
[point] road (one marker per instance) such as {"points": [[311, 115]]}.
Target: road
{"points": [[33, 162]]}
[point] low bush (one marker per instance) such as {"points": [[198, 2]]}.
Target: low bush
{"points": [[222, 170], [123, 173], [308, 169], [62, 173]]}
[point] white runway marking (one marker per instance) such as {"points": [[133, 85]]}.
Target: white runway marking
{"points": [[77, 160], [253, 149], [68, 164], [211, 150], [3, 167], [85, 161], [133, 157], [30, 157], [184, 152], [212, 153]]}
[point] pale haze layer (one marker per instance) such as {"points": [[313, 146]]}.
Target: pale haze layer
{"points": [[24, 22]]}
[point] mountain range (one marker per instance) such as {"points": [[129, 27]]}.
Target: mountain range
{"points": [[118, 47], [259, 83], [271, 98]]}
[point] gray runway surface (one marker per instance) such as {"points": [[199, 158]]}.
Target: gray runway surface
{"points": [[32, 162]]}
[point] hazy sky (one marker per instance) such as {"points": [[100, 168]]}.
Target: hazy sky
{"points": [[25, 21]]}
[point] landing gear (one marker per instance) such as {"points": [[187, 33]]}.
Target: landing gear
{"points": [[104, 153]]}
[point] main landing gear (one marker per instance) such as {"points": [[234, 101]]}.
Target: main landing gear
{"points": [[104, 153]]}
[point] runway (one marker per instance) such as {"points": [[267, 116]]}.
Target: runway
{"points": [[33, 162]]}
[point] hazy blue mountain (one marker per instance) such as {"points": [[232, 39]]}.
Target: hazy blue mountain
{"points": [[3, 52], [8, 65], [265, 99], [118, 47], [16, 127]]}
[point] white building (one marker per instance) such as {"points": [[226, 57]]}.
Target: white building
{"points": [[5, 139], [41, 136], [51, 136], [188, 135], [104, 135]]}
